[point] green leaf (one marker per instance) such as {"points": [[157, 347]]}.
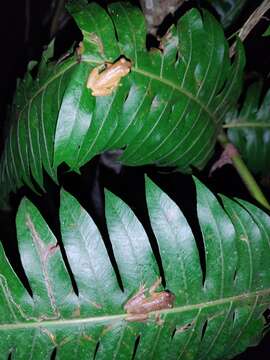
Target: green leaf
{"points": [[249, 129], [167, 111], [228, 10], [216, 315]]}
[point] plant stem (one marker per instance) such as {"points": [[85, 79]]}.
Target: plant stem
{"points": [[236, 158], [59, 8], [245, 174], [251, 22], [234, 125]]}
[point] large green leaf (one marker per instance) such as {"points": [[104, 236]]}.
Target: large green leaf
{"points": [[228, 10], [215, 316], [249, 129], [168, 110]]}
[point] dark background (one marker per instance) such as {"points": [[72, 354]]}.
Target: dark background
{"points": [[26, 26]]}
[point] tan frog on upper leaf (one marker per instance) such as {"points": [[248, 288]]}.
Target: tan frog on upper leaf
{"points": [[139, 305], [104, 82]]}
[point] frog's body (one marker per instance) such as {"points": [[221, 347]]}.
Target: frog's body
{"points": [[139, 305], [102, 83]]}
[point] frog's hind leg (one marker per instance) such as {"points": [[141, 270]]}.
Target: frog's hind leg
{"points": [[92, 78]]}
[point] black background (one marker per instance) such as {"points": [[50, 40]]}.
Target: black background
{"points": [[25, 28]]}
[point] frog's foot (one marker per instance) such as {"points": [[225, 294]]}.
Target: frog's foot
{"points": [[102, 92], [158, 319]]}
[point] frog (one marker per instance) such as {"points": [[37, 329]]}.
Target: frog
{"points": [[104, 81], [140, 305]]}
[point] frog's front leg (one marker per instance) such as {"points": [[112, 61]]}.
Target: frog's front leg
{"points": [[140, 291], [154, 287]]}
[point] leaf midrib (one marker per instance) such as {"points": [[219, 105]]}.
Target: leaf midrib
{"points": [[164, 81], [177, 88], [134, 69], [246, 297], [168, 83]]}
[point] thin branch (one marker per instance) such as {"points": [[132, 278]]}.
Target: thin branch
{"points": [[245, 125], [27, 20], [251, 22], [245, 174], [236, 158], [60, 6]]}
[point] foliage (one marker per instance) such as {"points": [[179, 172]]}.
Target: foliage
{"points": [[215, 315], [168, 110], [249, 129]]}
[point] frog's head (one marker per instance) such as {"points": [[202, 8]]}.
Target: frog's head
{"points": [[169, 298]]}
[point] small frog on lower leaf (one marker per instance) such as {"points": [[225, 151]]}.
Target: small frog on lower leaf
{"points": [[103, 82], [139, 305]]}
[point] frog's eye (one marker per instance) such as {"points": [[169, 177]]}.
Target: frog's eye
{"points": [[170, 294]]}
